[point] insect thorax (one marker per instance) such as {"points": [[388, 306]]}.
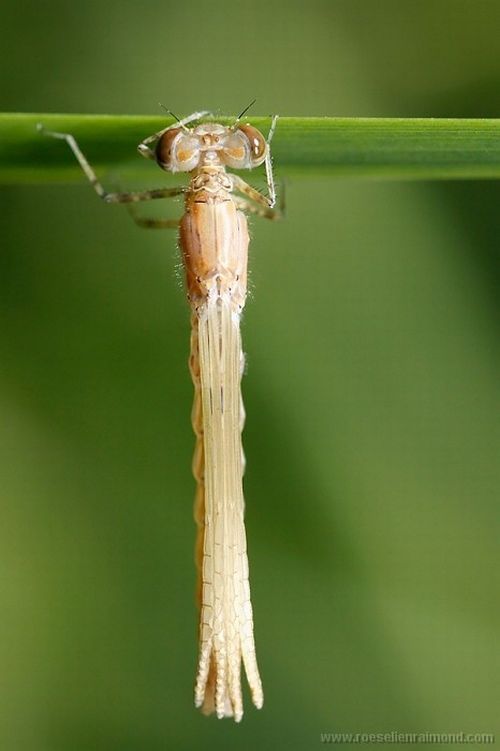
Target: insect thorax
{"points": [[212, 180]]}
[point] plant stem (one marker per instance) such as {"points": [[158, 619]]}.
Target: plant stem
{"points": [[365, 147]]}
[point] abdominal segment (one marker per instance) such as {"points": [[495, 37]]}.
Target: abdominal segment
{"points": [[226, 623], [214, 240]]}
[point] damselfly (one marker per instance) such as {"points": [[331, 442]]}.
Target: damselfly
{"points": [[214, 241]]}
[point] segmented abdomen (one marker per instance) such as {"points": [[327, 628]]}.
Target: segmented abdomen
{"points": [[216, 363]]}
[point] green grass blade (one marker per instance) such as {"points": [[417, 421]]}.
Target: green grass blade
{"points": [[334, 146]]}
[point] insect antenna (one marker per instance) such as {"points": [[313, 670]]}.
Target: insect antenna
{"points": [[243, 113], [169, 112]]}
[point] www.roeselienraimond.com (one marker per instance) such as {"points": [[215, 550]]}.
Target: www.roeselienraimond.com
{"points": [[397, 736]]}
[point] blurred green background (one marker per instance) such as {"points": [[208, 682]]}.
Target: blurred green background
{"points": [[371, 437]]}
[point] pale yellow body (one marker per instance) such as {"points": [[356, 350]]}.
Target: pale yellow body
{"points": [[214, 241]]}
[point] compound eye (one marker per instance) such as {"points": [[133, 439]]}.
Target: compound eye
{"points": [[236, 152], [177, 151], [257, 144], [164, 147]]}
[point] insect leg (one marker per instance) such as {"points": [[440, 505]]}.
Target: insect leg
{"points": [[265, 204], [152, 222], [110, 197], [259, 209], [269, 165]]}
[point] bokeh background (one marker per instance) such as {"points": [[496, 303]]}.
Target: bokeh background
{"points": [[371, 392]]}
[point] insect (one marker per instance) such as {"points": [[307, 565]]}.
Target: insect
{"points": [[214, 242]]}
